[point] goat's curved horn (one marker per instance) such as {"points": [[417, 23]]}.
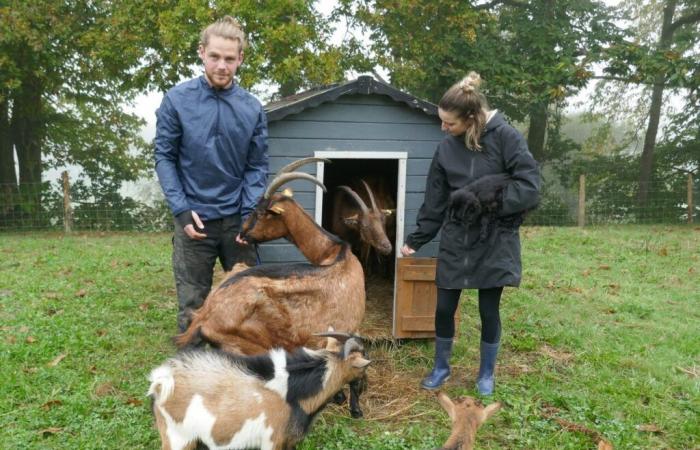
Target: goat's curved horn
{"points": [[338, 336], [286, 178], [371, 196], [353, 194], [300, 162], [351, 345]]}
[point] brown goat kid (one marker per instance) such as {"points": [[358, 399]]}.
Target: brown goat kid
{"points": [[467, 415]]}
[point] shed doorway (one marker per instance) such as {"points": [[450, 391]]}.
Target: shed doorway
{"points": [[389, 170]]}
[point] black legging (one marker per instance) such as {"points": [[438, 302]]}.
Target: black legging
{"points": [[489, 302]]}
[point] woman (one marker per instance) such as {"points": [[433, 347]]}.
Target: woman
{"points": [[479, 143]]}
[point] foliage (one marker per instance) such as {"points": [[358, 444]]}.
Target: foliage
{"points": [[67, 69], [643, 57], [602, 331], [531, 54]]}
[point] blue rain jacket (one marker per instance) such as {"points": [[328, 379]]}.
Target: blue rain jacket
{"points": [[211, 149]]}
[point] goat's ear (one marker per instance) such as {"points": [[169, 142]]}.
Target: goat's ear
{"points": [[332, 344], [489, 411], [359, 362], [351, 221], [446, 404]]}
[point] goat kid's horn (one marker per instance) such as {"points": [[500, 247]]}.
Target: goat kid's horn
{"points": [[371, 196], [358, 200], [338, 336], [300, 162], [286, 178], [352, 344]]}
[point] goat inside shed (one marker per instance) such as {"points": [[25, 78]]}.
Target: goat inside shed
{"points": [[381, 175]]}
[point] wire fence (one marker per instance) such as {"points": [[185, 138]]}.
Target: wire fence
{"points": [[587, 200]]}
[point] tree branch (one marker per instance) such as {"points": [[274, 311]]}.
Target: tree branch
{"points": [[492, 3], [688, 18]]}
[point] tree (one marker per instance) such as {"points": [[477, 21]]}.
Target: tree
{"points": [[67, 67], [669, 63], [532, 54]]}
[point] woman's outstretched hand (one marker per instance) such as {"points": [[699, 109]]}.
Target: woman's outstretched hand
{"points": [[406, 250]]}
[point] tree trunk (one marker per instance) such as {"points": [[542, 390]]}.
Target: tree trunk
{"points": [[28, 129], [647, 160], [8, 176], [537, 131]]}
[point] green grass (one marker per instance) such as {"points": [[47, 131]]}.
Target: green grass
{"points": [[604, 328]]}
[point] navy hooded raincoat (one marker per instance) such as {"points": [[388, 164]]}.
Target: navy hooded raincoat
{"points": [[464, 260]]}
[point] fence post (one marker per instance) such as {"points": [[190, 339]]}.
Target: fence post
{"points": [[582, 200], [67, 210], [690, 198]]}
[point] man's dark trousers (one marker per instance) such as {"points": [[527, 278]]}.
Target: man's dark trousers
{"points": [[194, 260]]}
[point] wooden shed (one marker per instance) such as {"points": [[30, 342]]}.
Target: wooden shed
{"points": [[365, 127]]}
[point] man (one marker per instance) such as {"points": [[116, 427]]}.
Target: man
{"points": [[211, 160]]}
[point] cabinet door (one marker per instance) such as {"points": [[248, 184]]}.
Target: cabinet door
{"points": [[416, 294]]}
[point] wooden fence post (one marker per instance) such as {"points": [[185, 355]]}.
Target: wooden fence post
{"points": [[582, 200], [690, 198], [67, 210]]}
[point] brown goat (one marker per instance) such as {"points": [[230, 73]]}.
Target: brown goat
{"points": [[283, 305], [467, 415], [366, 228]]}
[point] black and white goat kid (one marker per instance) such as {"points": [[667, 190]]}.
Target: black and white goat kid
{"points": [[479, 201], [268, 401]]}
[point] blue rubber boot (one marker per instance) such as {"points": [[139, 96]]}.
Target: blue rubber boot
{"points": [[441, 369], [486, 380]]}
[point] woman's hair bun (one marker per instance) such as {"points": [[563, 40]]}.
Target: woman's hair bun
{"points": [[471, 82]]}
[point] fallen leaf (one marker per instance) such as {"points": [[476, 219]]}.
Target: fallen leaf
{"points": [[551, 285], [30, 339], [144, 306], [604, 445], [604, 267], [663, 252], [649, 428], [555, 354], [51, 430], [92, 369], [104, 389], [586, 272], [691, 270], [30, 370], [50, 404], [134, 401], [57, 360], [692, 372], [101, 332], [81, 293]]}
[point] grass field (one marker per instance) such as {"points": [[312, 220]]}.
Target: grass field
{"points": [[601, 341]]}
